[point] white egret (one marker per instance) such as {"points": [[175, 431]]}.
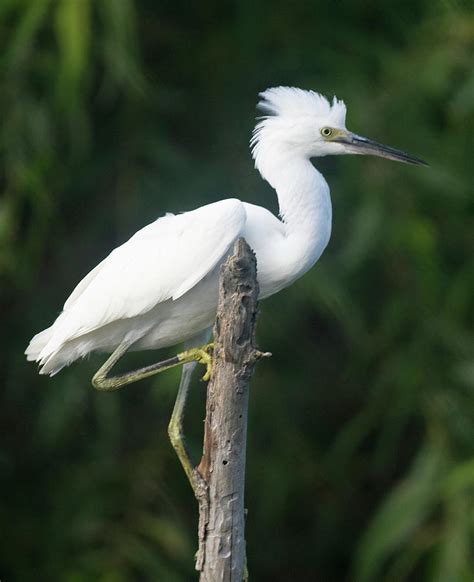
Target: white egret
{"points": [[160, 287]]}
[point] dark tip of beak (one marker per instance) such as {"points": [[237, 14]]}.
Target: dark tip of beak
{"points": [[362, 145]]}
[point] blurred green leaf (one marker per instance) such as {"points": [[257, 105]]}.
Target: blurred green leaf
{"points": [[32, 15], [73, 24], [400, 515]]}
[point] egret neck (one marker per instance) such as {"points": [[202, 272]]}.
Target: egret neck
{"points": [[304, 203]]}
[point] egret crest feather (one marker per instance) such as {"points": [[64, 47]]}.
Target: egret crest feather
{"points": [[294, 102]]}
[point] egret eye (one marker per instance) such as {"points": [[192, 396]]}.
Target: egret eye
{"points": [[326, 131]]}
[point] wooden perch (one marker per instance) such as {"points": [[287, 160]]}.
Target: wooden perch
{"points": [[221, 472]]}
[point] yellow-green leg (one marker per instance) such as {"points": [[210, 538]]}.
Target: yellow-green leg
{"points": [[188, 359], [102, 381], [175, 427]]}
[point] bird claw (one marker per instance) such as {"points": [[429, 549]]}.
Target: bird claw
{"points": [[207, 375], [205, 358]]}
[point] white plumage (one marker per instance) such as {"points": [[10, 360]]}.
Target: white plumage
{"points": [[160, 287]]}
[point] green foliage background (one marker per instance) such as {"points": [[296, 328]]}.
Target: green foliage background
{"points": [[361, 443]]}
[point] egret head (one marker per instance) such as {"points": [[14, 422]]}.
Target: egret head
{"points": [[305, 123]]}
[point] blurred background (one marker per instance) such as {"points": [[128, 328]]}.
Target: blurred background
{"points": [[361, 436]]}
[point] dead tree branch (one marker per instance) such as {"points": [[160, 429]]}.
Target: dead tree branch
{"points": [[221, 554]]}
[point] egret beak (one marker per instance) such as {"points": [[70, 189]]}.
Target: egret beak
{"points": [[356, 144]]}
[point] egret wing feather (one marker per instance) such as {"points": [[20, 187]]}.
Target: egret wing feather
{"points": [[82, 285], [161, 261]]}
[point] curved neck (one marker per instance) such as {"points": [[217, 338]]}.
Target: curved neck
{"points": [[303, 197]]}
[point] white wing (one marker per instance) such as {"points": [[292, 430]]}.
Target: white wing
{"points": [[161, 261]]}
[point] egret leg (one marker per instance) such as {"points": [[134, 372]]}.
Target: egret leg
{"points": [[175, 427], [102, 381]]}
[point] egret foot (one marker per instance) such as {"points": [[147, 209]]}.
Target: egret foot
{"points": [[202, 355]]}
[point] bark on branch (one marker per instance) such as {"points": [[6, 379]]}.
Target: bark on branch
{"points": [[221, 472]]}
